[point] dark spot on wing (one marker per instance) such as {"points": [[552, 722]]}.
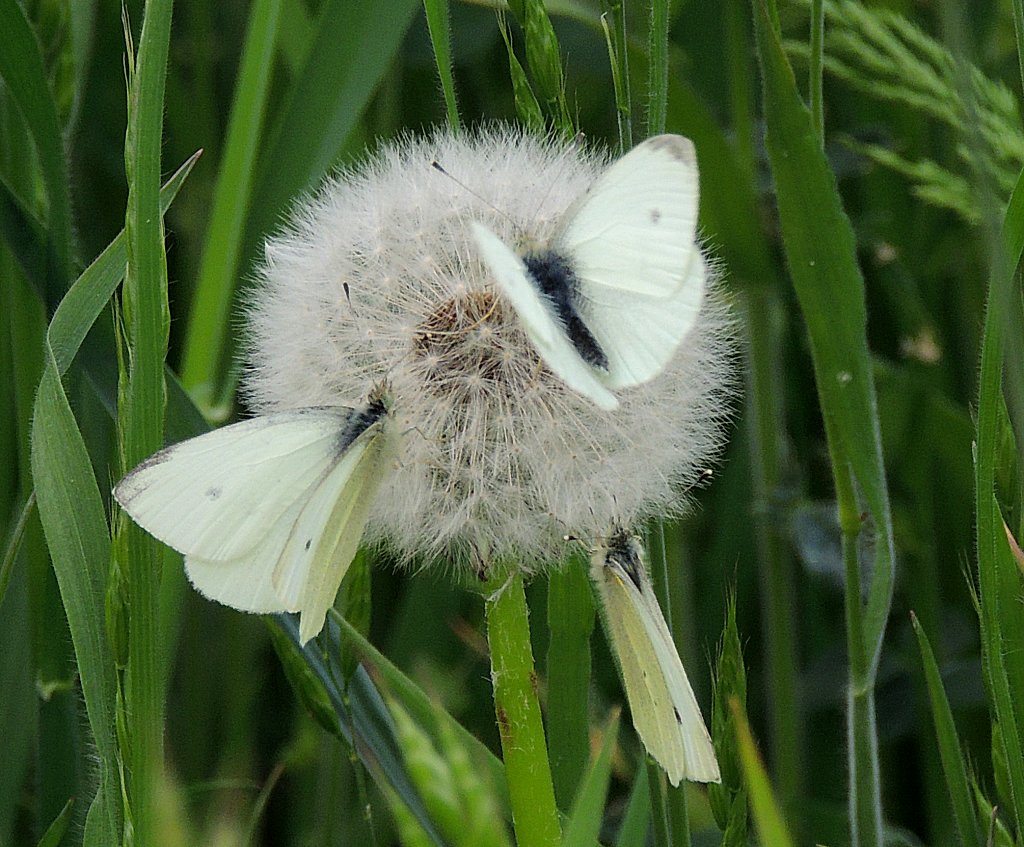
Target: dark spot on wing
{"points": [[214, 492], [655, 215], [554, 276], [679, 718], [308, 542]]}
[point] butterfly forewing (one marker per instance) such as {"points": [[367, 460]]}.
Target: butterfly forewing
{"points": [[664, 709], [215, 497], [635, 230], [538, 319]]}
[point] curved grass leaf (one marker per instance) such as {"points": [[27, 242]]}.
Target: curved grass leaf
{"points": [[584, 824], [416, 702], [949, 745], [361, 714], [439, 25], [73, 517], [24, 74], [766, 813], [998, 578]]}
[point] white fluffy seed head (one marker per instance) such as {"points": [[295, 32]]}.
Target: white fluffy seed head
{"points": [[377, 278]]}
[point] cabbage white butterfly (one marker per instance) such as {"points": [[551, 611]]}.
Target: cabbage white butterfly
{"points": [[608, 300], [269, 511], [665, 712]]}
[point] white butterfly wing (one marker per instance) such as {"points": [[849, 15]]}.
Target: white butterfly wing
{"points": [[325, 537], [664, 709], [538, 320], [640, 334], [218, 497], [635, 230]]}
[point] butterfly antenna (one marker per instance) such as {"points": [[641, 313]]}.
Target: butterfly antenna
{"points": [[437, 166]]}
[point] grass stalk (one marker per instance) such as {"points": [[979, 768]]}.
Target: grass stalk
{"points": [[571, 613], [531, 792], [768, 425], [147, 323], [657, 72]]}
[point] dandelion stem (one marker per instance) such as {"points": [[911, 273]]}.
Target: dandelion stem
{"points": [[531, 792]]}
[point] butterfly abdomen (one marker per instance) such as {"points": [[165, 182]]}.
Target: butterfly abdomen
{"points": [[554, 276]]}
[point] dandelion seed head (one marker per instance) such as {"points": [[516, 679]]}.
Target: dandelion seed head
{"points": [[376, 278]]}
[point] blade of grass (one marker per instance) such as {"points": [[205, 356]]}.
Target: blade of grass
{"points": [[55, 831], [821, 256], [73, 517], [416, 702], [211, 304], [657, 71], [361, 715], [618, 55], [354, 46], [571, 614], [953, 765], [141, 413], [767, 817], [439, 26], [998, 578], [584, 824], [636, 821], [24, 74]]}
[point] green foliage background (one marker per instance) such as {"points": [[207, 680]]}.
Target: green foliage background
{"points": [[926, 153]]}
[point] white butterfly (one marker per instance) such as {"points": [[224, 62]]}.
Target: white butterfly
{"points": [[268, 512], [609, 299], [665, 712]]}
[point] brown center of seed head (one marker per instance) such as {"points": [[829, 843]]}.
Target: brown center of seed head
{"points": [[463, 345]]}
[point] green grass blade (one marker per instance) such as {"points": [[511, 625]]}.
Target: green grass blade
{"points": [[636, 822], [147, 325], [355, 45], [14, 543], [571, 613], [657, 71], [821, 255], [998, 578], [23, 72], [439, 25], [767, 816], [416, 702], [584, 824], [362, 716], [222, 250], [55, 831], [953, 765], [75, 525]]}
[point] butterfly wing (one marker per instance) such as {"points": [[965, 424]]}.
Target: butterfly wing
{"points": [[640, 334], [635, 230], [268, 512], [218, 496], [326, 535], [538, 319], [664, 709]]}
